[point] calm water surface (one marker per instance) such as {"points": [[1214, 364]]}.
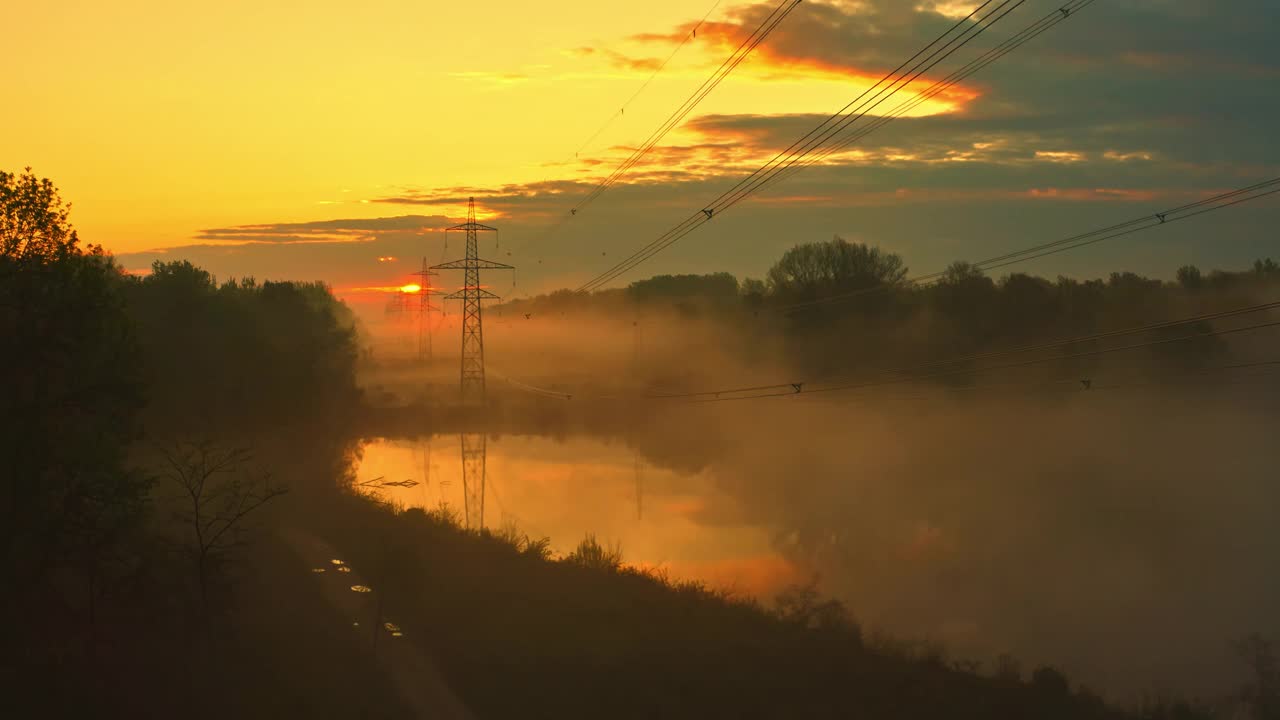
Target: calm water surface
{"points": [[566, 489]]}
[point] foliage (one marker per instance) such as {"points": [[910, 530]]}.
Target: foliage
{"points": [[1262, 695], [97, 369], [70, 505], [643, 645], [285, 349], [717, 288], [803, 606], [590, 553], [34, 225], [812, 270]]}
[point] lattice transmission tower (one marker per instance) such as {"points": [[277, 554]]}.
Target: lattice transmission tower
{"points": [[426, 329], [472, 296], [471, 381]]}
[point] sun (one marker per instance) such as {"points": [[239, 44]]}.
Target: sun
{"points": [[410, 288]]}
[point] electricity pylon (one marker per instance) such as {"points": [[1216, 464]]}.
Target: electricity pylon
{"points": [[426, 332], [472, 296], [471, 381]]}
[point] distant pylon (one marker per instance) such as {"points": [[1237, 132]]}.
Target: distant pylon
{"points": [[472, 295], [426, 329]]}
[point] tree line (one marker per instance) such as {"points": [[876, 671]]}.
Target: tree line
{"points": [[843, 306], [151, 422]]}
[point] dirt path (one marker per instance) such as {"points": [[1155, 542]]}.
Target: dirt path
{"points": [[415, 675]]}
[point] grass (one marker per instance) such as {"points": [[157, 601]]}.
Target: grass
{"points": [[519, 633]]}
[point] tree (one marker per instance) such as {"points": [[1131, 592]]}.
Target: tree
{"points": [[1189, 277], [1008, 669], [964, 290], [716, 287], [69, 386], [814, 270], [34, 223], [960, 273], [1263, 693], [803, 606], [217, 492], [1028, 305]]}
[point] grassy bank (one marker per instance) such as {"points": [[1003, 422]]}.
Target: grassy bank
{"points": [[520, 633]]}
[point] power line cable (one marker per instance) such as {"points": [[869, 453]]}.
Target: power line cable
{"points": [[801, 389], [912, 373], [999, 51], [1092, 383], [744, 49], [1051, 345], [1129, 227], [693, 33], [893, 82]]}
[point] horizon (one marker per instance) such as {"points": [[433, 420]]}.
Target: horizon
{"points": [[334, 145]]}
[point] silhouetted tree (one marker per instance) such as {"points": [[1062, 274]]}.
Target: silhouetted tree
{"points": [[813, 270], [716, 288], [70, 392], [1263, 692], [34, 221], [217, 492], [1008, 669], [803, 606], [1189, 277]]}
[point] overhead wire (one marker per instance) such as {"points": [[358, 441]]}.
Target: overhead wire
{"points": [[912, 373], [744, 49], [532, 388], [997, 52], [895, 81], [747, 186], [1020, 350], [801, 389], [1146, 222], [1095, 381], [693, 33]]}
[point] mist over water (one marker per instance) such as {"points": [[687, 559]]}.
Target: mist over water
{"points": [[1122, 533], [1109, 513], [1124, 536]]}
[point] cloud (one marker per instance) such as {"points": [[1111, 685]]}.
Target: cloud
{"points": [[620, 60], [838, 37], [1125, 109], [324, 231], [496, 78]]}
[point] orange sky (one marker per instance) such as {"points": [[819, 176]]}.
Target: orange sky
{"points": [[159, 119], [333, 140]]}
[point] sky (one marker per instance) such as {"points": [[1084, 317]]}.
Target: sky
{"points": [[334, 140]]}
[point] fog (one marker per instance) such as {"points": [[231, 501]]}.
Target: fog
{"points": [[1107, 516], [1125, 537]]}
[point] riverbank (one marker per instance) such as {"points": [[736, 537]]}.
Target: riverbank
{"points": [[518, 632]]}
